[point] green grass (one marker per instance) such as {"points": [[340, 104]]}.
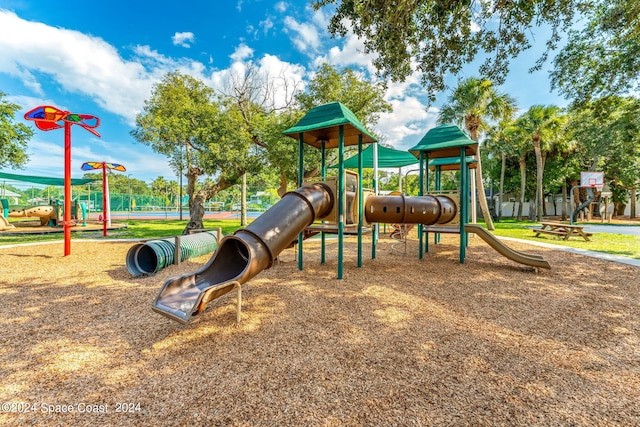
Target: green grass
{"points": [[614, 244], [136, 229]]}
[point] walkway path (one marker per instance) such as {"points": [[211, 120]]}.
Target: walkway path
{"points": [[585, 252], [633, 230]]}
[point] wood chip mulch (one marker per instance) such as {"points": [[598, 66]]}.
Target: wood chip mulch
{"points": [[400, 341]]}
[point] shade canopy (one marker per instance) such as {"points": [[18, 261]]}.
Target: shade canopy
{"points": [[321, 124], [45, 180], [387, 158], [445, 141]]}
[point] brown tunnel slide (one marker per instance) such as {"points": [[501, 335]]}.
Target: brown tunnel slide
{"points": [[242, 256]]}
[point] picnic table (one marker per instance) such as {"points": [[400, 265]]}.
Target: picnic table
{"points": [[562, 230]]}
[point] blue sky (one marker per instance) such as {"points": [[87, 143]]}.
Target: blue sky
{"points": [[102, 58]]}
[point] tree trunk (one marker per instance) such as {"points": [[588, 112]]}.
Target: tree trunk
{"points": [[283, 184], [196, 200], [194, 205], [243, 201], [565, 199], [196, 212], [503, 167], [523, 184], [484, 207], [539, 171]]}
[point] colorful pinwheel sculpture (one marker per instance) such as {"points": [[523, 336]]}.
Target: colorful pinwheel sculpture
{"points": [[48, 118], [106, 208], [51, 118]]}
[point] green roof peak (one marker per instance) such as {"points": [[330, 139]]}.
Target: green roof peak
{"points": [[445, 141], [321, 123]]}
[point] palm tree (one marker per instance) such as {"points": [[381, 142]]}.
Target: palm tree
{"points": [[502, 140], [520, 147], [541, 122], [471, 104]]}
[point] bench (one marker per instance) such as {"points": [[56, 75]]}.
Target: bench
{"points": [[561, 230], [555, 232]]}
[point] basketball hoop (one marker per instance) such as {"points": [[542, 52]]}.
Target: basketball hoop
{"points": [[592, 180], [588, 179]]}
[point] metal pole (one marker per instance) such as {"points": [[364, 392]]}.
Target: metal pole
{"points": [[104, 200], [300, 173], [420, 193], [426, 178], [129, 179], [323, 237], [376, 226], [464, 202], [360, 201], [341, 198], [67, 188], [180, 183]]}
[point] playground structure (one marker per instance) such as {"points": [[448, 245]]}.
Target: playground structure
{"points": [[335, 205], [46, 214], [4, 224], [49, 215]]}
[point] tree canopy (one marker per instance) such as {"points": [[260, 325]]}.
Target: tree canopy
{"points": [[13, 136], [441, 36], [603, 58], [200, 133]]}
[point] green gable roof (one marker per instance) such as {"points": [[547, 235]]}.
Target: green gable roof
{"points": [[321, 124], [445, 141], [387, 158]]}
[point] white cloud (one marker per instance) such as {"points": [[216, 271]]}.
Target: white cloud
{"points": [[83, 64], [304, 36], [350, 54], [241, 53], [183, 39], [79, 63], [281, 6], [266, 25], [407, 124]]}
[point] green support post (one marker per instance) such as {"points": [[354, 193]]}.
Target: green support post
{"points": [[360, 201], [420, 193], [464, 203], [426, 179], [438, 183], [341, 190], [300, 176], [376, 226], [323, 239]]}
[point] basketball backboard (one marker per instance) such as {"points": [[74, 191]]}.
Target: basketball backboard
{"points": [[592, 179]]}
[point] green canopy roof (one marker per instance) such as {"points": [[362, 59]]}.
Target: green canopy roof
{"points": [[445, 141], [321, 124], [45, 180], [387, 158]]}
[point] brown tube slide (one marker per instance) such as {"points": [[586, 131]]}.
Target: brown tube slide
{"points": [[402, 209], [245, 254]]}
